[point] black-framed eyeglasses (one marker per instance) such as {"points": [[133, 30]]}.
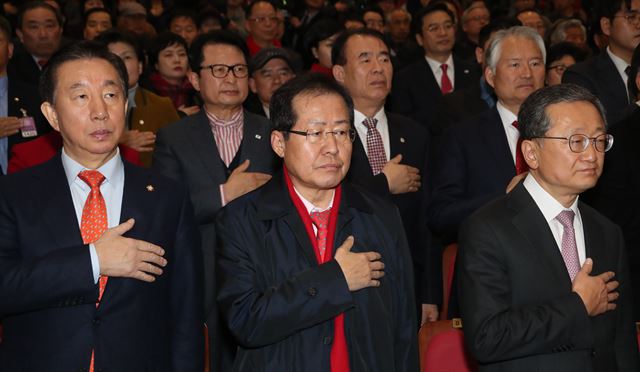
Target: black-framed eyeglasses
{"points": [[221, 71], [632, 16], [580, 142], [262, 20], [319, 136]]}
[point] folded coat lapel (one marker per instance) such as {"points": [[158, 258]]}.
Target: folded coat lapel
{"points": [[205, 146]]}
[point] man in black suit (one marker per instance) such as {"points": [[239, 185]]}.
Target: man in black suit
{"points": [[616, 195], [605, 74], [394, 169], [99, 266], [222, 152], [477, 158], [39, 30], [419, 88], [544, 283]]}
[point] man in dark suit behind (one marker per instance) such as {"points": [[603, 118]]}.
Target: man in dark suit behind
{"points": [[605, 74], [544, 283], [99, 266], [222, 152], [419, 88], [393, 170]]}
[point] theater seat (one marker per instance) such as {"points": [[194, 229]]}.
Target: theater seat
{"points": [[448, 265], [442, 348]]}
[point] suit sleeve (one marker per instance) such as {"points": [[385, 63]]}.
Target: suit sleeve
{"points": [[495, 330], [166, 160], [258, 313], [61, 278], [186, 295], [450, 202]]}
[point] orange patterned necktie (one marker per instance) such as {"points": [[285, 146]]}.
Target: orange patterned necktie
{"points": [[94, 221]]}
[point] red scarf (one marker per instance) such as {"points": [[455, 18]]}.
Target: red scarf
{"points": [[180, 94], [339, 350], [255, 48]]}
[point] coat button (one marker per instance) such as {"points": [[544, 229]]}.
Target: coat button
{"points": [[593, 353], [327, 340], [312, 291]]}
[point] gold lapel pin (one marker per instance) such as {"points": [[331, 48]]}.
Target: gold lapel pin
{"points": [[141, 122], [150, 188], [401, 139], [16, 99]]}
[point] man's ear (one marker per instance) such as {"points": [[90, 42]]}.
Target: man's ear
{"points": [[338, 73], [20, 35], [252, 85], [605, 25], [419, 40], [194, 79], [50, 113], [489, 76], [530, 153], [278, 143]]}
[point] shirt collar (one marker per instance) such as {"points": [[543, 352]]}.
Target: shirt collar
{"points": [[506, 115], [547, 204], [112, 170], [312, 208], [131, 97], [435, 65], [359, 117], [236, 119]]}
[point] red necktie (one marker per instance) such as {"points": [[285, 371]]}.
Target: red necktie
{"points": [[321, 221], [94, 221], [569, 248], [375, 148], [521, 165], [445, 84]]}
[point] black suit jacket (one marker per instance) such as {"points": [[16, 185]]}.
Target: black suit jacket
{"points": [[616, 194], [280, 303], [47, 291], [518, 309], [416, 93], [460, 105], [408, 138], [23, 67], [474, 165], [187, 150], [599, 75]]}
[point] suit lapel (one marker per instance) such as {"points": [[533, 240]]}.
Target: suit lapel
{"points": [[252, 141], [205, 145], [58, 212], [609, 73], [535, 229], [398, 140], [496, 141], [593, 240], [462, 73]]}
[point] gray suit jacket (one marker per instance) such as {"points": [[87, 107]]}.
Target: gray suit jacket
{"points": [[187, 150], [518, 309]]}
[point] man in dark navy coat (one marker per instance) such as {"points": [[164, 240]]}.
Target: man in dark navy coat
{"points": [[316, 274]]}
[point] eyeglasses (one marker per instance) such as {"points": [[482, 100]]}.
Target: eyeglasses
{"points": [[319, 136], [221, 71], [632, 16], [263, 20], [580, 142], [560, 69]]}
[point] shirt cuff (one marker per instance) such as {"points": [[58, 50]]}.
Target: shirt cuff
{"points": [[95, 263], [223, 202]]}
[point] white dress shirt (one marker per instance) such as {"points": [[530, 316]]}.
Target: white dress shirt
{"points": [[621, 65], [437, 71], [550, 209], [512, 133], [382, 126], [312, 208], [111, 188]]}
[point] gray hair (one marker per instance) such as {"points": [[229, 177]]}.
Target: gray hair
{"points": [[388, 16], [493, 52], [558, 35], [533, 120], [474, 5]]}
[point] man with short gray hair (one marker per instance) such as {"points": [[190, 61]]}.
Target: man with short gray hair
{"points": [[543, 278], [477, 159]]}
